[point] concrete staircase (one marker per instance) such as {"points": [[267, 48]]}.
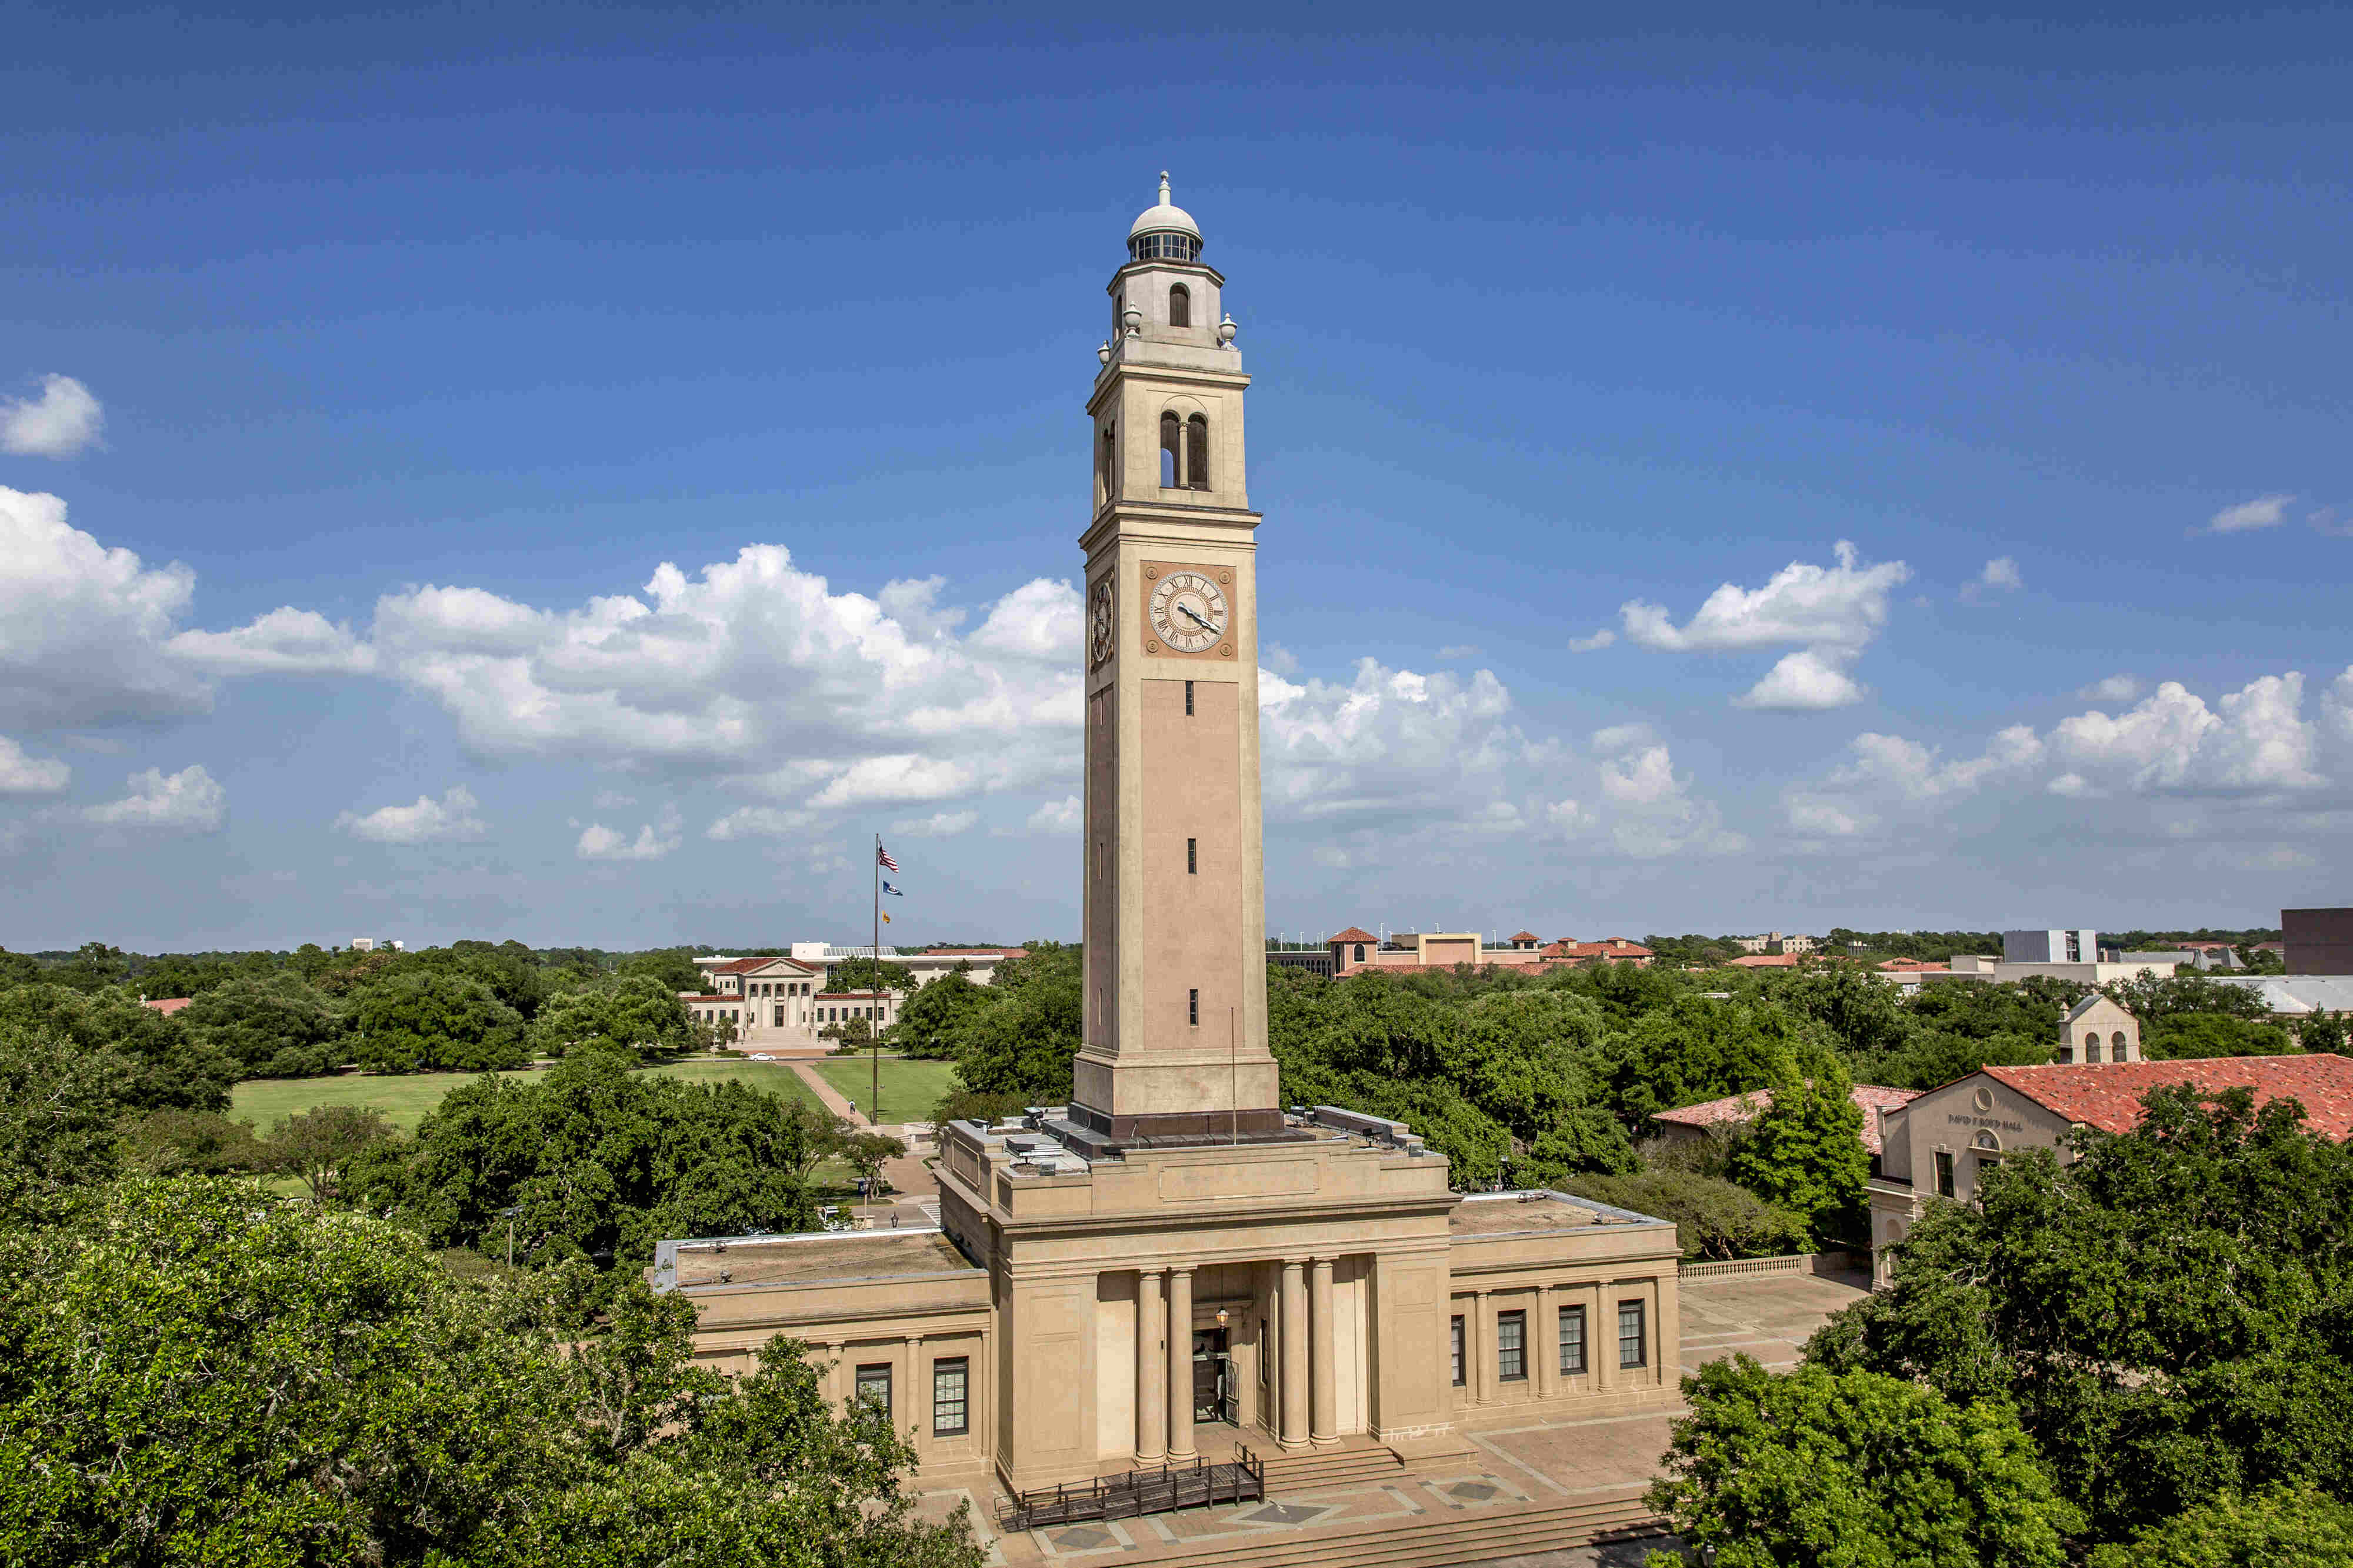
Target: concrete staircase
{"points": [[1316, 1469], [1438, 1541]]}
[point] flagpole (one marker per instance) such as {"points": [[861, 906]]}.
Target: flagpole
{"points": [[873, 1034]]}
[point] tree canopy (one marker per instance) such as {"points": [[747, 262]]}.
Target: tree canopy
{"points": [[2166, 1313], [437, 1019], [287, 1384], [601, 1161]]}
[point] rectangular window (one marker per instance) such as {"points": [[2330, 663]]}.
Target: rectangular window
{"points": [[1188, 699], [1457, 1377], [1193, 1006], [874, 1385], [1512, 1347], [1192, 857], [1633, 1344], [1943, 1172], [950, 1401], [1572, 1339]]}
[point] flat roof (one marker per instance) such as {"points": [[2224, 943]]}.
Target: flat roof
{"points": [[836, 1255], [1503, 1214]]}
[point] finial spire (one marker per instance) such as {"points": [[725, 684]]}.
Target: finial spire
{"points": [[1163, 188]]}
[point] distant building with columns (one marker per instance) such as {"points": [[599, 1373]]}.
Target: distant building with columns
{"points": [[1176, 1262]]}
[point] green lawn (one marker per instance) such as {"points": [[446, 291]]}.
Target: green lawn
{"points": [[404, 1097], [910, 1089]]}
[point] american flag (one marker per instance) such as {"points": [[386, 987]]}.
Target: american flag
{"points": [[883, 858]]}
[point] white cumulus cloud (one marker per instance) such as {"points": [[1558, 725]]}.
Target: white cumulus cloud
{"points": [[64, 420], [1806, 681], [448, 820], [1065, 816], [190, 801], [2000, 575], [82, 628], [1600, 640], [939, 824], [654, 839], [2264, 511], [21, 774], [1831, 612], [2254, 739], [2113, 689], [286, 641]]}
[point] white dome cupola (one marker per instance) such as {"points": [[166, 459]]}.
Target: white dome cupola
{"points": [[1164, 232]]}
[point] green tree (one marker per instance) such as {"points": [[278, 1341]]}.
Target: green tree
{"points": [[601, 1160], [435, 1020], [867, 1152], [1714, 1218], [636, 1012], [1696, 1049], [93, 967], [61, 1109], [671, 968], [164, 1067], [319, 1144], [276, 1025], [868, 974], [2165, 1312], [288, 1385], [1024, 1042], [1854, 1469], [2177, 1036], [2290, 1523], [165, 1142], [1805, 1153], [934, 1018]]}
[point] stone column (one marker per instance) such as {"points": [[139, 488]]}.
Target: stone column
{"points": [[1151, 1372], [834, 1373], [1482, 1370], [1295, 1355], [1180, 1365], [1601, 1338], [1323, 1377], [915, 1404], [1544, 1343]]}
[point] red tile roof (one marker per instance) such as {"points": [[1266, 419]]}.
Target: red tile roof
{"points": [[1765, 961], [167, 1004], [1523, 936], [1871, 1099], [1905, 964], [970, 952], [1355, 933], [2107, 1096], [1615, 947]]}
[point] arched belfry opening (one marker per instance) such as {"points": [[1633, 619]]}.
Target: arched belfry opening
{"points": [[1172, 453], [1180, 306], [1196, 453]]}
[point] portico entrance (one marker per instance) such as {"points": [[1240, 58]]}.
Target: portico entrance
{"points": [[1217, 1397]]}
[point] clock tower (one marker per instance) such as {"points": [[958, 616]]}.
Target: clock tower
{"points": [[1175, 1040]]}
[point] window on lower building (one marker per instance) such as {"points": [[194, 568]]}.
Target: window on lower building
{"points": [[780, 1014], [1457, 1374], [1943, 1172], [1512, 1347], [1633, 1344], [951, 1397], [1193, 1006], [1572, 1339], [1192, 857], [874, 1385]]}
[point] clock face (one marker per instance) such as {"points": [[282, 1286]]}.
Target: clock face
{"points": [[1101, 620], [1188, 612]]}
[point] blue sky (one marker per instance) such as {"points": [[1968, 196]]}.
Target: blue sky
{"points": [[575, 474]]}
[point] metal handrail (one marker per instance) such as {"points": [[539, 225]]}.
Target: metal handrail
{"points": [[1133, 1492]]}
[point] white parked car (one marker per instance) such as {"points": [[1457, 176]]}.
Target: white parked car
{"points": [[762, 1056]]}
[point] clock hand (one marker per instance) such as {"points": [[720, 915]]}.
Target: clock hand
{"points": [[1189, 610]]}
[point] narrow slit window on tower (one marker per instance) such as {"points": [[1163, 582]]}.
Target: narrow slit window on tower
{"points": [[1196, 453], [1193, 1006], [1180, 306], [1172, 456], [1109, 478], [1192, 857], [1188, 699]]}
